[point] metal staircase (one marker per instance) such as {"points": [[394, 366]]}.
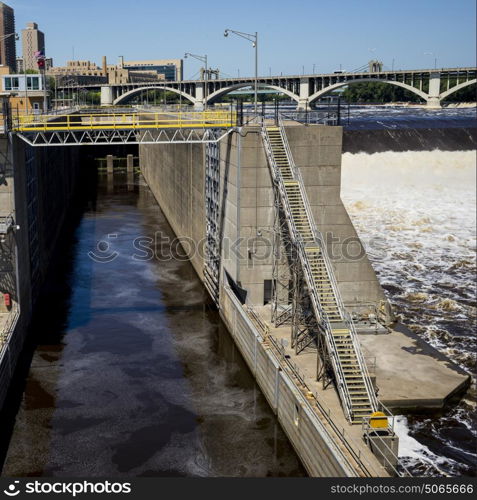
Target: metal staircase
{"points": [[334, 323]]}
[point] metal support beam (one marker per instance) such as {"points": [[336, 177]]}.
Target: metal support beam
{"points": [[108, 137]]}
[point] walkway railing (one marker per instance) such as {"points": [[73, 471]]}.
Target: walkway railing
{"points": [[9, 326], [125, 121], [387, 460]]}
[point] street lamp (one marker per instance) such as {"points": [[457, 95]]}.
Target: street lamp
{"points": [[254, 39], [204, 60], [4, 37]]}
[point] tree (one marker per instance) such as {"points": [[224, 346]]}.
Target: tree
{"points": [[467, 94], [377, 92]]}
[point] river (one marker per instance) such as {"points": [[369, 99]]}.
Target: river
{"points": [[409, 184]]}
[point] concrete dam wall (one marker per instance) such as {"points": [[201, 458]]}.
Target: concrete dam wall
{"points": [[409, 139], [37, 188], [176, 175]]}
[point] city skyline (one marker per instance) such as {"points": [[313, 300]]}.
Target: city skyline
{"points": [[421, 35]]}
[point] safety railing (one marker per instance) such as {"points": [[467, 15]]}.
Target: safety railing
{"points": [[6, 223], [311, 117], [377, 428], [9, 325], [297, 239], [132, 120], [313, 400], [348, 441], [286, 360], [318, 237], [324, 323], [256, 318]]}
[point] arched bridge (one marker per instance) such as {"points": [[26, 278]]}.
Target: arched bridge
{"points": [[430, 85]]}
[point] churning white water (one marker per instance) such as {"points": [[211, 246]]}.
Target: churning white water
{"points": [[416, 213]]}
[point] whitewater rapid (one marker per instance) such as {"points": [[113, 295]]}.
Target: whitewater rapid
{"points": [[415, 212]]}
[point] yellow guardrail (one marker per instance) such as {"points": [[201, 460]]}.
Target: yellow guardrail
{"points": [[134, 120]]}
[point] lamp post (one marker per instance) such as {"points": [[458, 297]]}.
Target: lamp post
{"points": [[254, 39], [204, 60], [4, 37]]}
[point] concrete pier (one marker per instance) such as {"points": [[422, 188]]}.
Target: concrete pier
{"points": [[410, 374], [130, 164], [109, 164]]}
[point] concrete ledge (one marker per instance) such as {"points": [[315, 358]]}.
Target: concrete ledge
{"points": [[411, 374]]}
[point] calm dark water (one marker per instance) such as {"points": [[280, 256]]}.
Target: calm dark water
{"points": [[137, 376]]}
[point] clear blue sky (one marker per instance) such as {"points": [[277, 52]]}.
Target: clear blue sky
{"points": [[292, 34]]}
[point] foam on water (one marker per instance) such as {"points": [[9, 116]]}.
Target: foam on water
{"points": [[416, 455], [415, 212]]}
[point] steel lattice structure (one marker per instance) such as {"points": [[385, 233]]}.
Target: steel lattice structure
{"points": [[125, 136]]}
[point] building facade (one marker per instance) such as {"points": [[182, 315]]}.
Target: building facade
{"points": [[83, 68], [77, 73], [88, 73], [8, 53], [172, 69], [25, 93], [33, 40]]}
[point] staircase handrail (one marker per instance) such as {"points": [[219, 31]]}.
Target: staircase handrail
{"points": [[319, 238], [324, 324]]}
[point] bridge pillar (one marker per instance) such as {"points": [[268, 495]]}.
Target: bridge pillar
{"points": [[109, 164], [304, 94], [107, 97], [433, 99], [199, 95]]}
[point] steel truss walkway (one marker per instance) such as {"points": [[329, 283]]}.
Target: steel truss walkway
{"points": [[318, 314], [124, 128]]}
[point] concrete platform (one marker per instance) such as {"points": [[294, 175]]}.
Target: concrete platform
{"points": [[410, 374]]}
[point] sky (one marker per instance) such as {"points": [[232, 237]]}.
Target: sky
{"points": [[293, 36]]}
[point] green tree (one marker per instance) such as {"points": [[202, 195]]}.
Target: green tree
{"points": [[377, 92], [467, 94]]}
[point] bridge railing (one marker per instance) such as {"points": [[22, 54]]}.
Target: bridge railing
{"points": [[308, 117], [124, 120]]}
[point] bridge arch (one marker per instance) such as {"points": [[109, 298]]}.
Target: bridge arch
{"points": [[127, 95], [226, 90], [456, 88], [326, 90]]}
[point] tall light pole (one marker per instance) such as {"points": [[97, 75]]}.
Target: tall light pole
{"points": [[204, 60], [254, 39], [4, 37]]}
